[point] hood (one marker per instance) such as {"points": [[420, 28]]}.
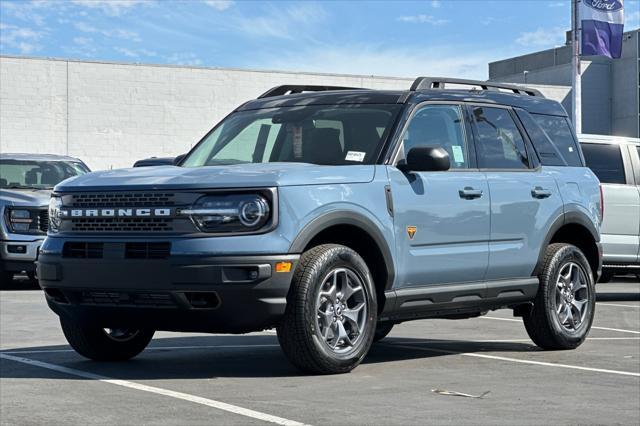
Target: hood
{"points": [[25, 197], [233, 176]]}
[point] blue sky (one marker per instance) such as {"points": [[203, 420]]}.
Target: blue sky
{"points": [[395, 38]]}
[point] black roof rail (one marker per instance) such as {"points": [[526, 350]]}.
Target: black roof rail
{"points": [[291, 89], [421, 83]]}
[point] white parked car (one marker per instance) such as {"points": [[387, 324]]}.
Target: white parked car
{"points": [[616, 162]]}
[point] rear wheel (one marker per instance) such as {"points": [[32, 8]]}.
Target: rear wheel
{"points": [[105, 344], [331, 313], [564, 307]]}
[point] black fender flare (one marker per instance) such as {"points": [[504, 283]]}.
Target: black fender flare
{"points": [[346, 217], [568, 218]]}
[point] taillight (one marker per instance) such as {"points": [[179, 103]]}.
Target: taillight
{"points": [[601, 204]]}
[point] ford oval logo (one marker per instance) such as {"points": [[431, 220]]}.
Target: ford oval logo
{"points": [[604, 5]]}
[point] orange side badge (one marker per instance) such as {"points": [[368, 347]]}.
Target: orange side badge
{"points": [[411, 231]]}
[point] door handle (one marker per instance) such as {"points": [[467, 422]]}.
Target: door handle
{"points": [[469, 193], [539, 192]]}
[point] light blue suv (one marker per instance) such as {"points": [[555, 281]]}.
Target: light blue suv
{"points": [[332, 214]]}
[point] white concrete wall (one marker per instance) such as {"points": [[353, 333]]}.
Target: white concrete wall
{"points": [[111, 115]]}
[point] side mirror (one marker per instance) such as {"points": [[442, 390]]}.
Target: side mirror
{"points": [[179, 159], [426, 159]]}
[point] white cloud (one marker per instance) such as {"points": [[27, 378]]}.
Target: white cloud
{"points": [[423, 19], [631, 20], [184, 59], [113, 33], [23, 39], [112, 7], [83, 41], [542, 37], [219, 4], [559, 4], [282, 23], [436, 4]]}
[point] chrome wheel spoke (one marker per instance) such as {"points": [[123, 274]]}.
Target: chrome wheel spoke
{"points": [[342, 337], [352, 314]]}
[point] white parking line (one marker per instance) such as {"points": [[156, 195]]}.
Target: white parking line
{"points": [[159, 391], [619, 305], [150, 348], [520, 361], [594, 328]]}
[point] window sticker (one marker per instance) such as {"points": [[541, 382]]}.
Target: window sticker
{"points": [[355, 156], [458, 157]]}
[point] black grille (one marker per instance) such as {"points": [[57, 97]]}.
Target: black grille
{"points": [[147, 250], [124, 199], [122, 225], [118, 298], [83, 250], [43, 221]]}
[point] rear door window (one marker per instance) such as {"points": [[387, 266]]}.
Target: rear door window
{"points": [[499, 143], [606, 162]]}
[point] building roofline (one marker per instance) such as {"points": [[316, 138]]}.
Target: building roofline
{"points": [[138, 64]]}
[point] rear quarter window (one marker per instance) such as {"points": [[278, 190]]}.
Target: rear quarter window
{"points": [[558, 132], [606, 162]]}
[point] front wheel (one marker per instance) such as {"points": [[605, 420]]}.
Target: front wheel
{"points": [[331, 313], [564, 307], [105, 344]]}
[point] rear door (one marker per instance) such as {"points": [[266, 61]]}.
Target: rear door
{"points": [[611, 162], [524, 198]]}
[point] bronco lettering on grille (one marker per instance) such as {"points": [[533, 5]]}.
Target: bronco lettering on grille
{"points": [[119, 212]]}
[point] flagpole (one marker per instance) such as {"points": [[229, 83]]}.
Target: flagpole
{"points": [[576, 80]]}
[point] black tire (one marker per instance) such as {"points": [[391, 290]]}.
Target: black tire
{"points": [[542, 322], [95, 343], [606, 276], [382, 330], [298, 331]]}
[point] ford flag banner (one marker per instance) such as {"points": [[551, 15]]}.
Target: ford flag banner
{"points": [[602, 27]]}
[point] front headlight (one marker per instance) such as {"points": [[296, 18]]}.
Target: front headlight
{"points": [[233, 213], [19, 220], [55, 212]]}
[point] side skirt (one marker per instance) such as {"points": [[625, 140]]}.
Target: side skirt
{"points": [[457, 300]]}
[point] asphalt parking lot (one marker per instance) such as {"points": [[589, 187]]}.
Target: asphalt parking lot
{"points": [[222, 379]]}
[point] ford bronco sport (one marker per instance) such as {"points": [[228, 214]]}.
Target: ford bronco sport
{"points": [[332, 214]]}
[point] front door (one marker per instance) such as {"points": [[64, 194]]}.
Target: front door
{"points": [[441, 219]]}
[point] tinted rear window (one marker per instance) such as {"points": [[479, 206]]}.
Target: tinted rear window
{"points": [[605, 161], [558, 131]]}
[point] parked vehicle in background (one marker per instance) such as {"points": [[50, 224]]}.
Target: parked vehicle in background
{"points": [[155, 161], [332, 216], [26, 181], [616, 162]]}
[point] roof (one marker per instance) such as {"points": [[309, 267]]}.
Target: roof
{"points": [[36, 157], [534, 104]]}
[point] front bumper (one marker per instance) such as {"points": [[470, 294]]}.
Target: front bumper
{"points": [[17, 256], [226, 294]]}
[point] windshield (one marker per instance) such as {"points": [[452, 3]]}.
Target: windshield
{"points": [[27, 174], [319, 134]]}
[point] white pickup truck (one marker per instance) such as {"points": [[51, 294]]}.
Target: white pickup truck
{"points": [[616, 162]]}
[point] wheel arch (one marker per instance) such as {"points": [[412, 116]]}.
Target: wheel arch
{"points": [[357, 232], [578, 229]]}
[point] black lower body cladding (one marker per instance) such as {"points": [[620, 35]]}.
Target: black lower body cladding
{"points": [[235, 294]]}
